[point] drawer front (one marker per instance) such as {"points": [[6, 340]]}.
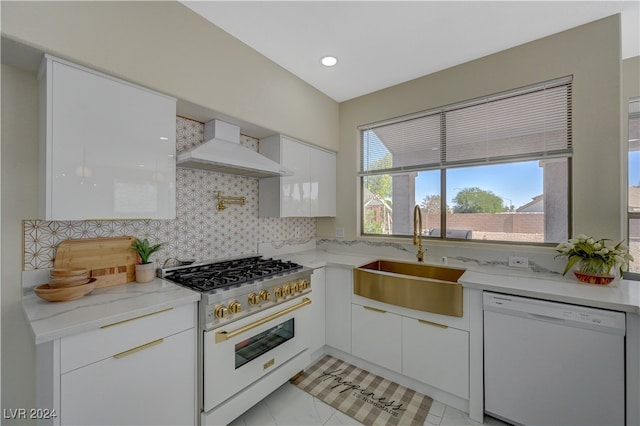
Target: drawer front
{"points": [[436, 355], [376, 336], [95, 345], [137, 389]]}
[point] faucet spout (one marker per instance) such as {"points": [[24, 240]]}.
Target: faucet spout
{"points": [[417, 232]]}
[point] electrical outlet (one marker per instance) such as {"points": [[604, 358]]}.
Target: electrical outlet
{"points": [[519, 262], [339, 232]]}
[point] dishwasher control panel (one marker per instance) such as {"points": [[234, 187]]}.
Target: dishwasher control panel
{"points": [[556, 312]]}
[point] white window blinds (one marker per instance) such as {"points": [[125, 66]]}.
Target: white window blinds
{"points": [[528, 123]]}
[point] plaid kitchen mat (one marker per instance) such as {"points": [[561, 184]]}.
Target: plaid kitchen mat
{"points": [[367, 398]]}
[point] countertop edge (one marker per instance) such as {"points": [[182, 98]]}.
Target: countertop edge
{"points": [[54, 320]]}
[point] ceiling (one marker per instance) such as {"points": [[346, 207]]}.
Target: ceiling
{"points": [[382, 43]]}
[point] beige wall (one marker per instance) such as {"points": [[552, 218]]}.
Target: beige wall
{"points": [[153, 47], [591, 53], [19, 168], [630, 78], [167, 47]]}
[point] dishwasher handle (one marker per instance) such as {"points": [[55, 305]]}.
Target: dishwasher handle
{"points": [[546, 318]]}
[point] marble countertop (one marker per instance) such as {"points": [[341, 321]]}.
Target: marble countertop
{"points": [[53, 320], [621, 295]]}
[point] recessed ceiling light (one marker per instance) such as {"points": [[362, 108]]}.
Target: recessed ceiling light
{"points": [[329, 61]]}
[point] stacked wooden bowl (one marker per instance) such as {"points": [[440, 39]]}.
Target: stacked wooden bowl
{"points": [[66, 284], [68, 277]]}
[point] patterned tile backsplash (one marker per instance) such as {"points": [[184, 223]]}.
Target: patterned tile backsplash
{"points": [[199, 231]]}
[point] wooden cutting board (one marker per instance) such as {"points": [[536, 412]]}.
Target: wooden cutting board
{"points": [[110, 260]]}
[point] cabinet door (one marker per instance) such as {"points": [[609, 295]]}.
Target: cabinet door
{"points": [[156, 385], [338, 309], [317, 309], [110, 148], [436, 355], [295, 191], [376, 336], [322, 183]]}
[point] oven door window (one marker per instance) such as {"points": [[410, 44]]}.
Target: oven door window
{"points": [[262, 343]]}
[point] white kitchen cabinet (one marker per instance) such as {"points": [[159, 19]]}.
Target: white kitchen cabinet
{"points": [[436, 355], [339, 286], [376, 336], [309, 192], [317, 309], [107, 147], [139, 371]]}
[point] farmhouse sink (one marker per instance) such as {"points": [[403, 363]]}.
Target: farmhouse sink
{"points": [[426, 288]]}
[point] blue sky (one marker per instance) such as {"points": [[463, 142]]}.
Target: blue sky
{"points": [[634, 168], [516, 184]]}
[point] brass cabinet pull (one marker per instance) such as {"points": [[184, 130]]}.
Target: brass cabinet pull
{"points": [[374, 309], [222, 336], [136, 318], [435, 324], [138, 349]]}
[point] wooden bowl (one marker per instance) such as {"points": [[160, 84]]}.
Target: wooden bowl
{"points": [[65, 293], [68, 272], [67, 281]]}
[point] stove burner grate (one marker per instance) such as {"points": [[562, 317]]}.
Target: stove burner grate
{"points": [[223, 274]]}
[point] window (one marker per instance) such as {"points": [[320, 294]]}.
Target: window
{"points": [[500, 163], [633, 210]]}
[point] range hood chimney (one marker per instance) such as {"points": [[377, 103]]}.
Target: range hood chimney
{"points": [[221, 152]]}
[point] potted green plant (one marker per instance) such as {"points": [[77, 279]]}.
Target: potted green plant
{"points": [[145, 269], [597, 262]]}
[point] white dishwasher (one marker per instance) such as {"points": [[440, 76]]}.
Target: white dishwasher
{"points": [[548, 363]]}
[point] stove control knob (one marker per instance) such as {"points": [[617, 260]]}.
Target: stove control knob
{"points": [[264, 295], [277, 292], [295, 287], [235, 306], [220, 311], [286, 290], [306, 284], [254, 299]]}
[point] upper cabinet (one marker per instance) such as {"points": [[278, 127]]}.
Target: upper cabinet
{"points": [[107, 147], [310, 191]]}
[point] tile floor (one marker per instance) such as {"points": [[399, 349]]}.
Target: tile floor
{"points": [[289, 405]]}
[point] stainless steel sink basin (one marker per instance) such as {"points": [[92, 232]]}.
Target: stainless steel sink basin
{"points": [[426, 288]]}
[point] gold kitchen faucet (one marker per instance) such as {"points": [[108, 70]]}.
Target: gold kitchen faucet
{"points": [[417, 232]]}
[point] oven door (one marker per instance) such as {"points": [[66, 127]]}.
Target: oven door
{"points": [[242, 352]]}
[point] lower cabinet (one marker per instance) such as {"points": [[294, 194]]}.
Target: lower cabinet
{"points": [[139, 371], [436, 355], [376, 336], [338, 299], [152, 386], [317, 309]]}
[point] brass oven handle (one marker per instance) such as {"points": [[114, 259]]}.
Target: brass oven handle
{"points": [[222, 336]]}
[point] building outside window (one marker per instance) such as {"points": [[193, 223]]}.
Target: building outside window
{"points": [[500, 163]]}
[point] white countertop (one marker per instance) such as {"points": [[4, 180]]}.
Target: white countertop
{"points": [[621, 295], [53, 320]]}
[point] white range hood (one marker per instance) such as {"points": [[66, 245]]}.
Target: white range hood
{"points": [[221, 152]]}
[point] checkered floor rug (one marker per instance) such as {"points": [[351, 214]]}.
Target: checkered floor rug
{"points": [[368, 398]]}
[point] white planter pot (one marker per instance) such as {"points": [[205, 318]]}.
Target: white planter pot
{"points": [[145, 272]]}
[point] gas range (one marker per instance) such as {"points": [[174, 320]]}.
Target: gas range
{"points": [[235, 288]]}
